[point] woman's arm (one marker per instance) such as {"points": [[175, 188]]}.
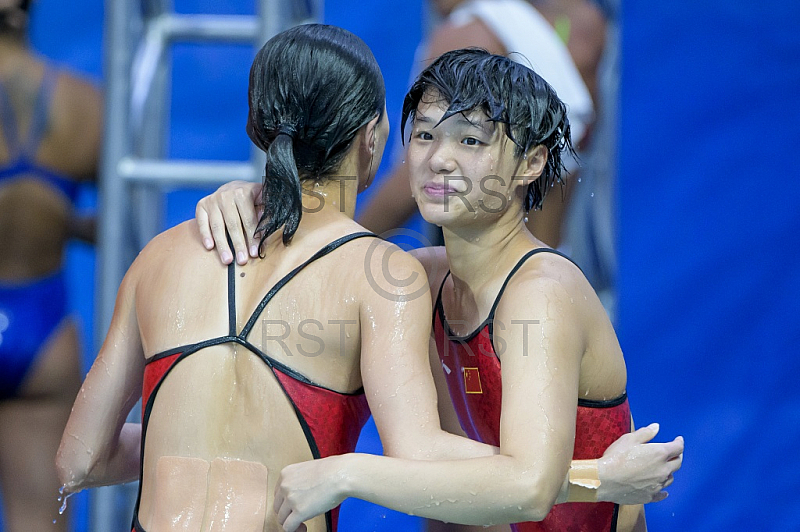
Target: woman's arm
{"points": [[521, 483], [541, 367], [395, 339], [98, 448]]}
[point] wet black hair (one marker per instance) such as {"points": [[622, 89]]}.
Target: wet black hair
{"points": [[312, 88], [508, 93]]}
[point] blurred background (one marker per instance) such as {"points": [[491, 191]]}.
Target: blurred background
{"points": [[706, 224]]}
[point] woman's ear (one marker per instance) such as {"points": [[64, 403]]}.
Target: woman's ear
{"points": [[371, 134], [533, 163], [370, 147]]}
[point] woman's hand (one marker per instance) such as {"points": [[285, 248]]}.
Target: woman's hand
{"points": [[308, 489], [235, 207], [633, 471]]}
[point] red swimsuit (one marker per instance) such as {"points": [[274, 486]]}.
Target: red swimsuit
{"points": [[331, 421], [473, 375]]}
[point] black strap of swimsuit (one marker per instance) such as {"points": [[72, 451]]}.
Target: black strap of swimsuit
{"points": [[440, 307], [289, 276], [231, 292], [516, 268], [232, 298]]}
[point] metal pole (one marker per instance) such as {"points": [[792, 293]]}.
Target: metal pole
{"points": [[113, 206]]}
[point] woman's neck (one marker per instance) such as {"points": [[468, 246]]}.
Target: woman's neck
{"points": [[332, 196], [476, 256], [328, 208]]}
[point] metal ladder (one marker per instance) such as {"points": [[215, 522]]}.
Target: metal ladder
{"points": [[134, 171]]}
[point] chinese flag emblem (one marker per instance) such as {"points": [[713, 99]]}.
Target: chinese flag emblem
{"points": [[472, 380]]}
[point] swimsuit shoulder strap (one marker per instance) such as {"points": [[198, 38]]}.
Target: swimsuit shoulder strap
{"points": [[232, 298], [289, 276], [8, 121], [516, 268], [438, 309], [41, 111]]}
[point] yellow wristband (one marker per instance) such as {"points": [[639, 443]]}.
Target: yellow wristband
{"points": [[583, 481]]}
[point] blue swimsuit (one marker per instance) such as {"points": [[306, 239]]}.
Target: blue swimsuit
{"points": [[30, 311]]}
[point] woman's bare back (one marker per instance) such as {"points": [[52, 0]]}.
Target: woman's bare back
{"points": [[221, 413]]}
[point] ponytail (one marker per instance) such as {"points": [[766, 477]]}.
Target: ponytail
{"points": [[281, 193]]}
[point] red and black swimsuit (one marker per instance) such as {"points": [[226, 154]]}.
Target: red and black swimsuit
{"points": [[331, 420], [473, 375]]}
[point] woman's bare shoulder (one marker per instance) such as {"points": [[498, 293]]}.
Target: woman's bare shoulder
{"points": [[179, 243]]}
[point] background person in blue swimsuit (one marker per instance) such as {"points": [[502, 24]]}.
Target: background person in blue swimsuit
{"points": [[50, 131]]}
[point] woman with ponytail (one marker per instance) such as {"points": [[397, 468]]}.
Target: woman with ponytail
{"points": [[246, 369]]}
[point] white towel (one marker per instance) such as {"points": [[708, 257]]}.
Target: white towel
{"points": [[533, 42]]}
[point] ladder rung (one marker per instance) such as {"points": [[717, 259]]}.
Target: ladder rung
{"points": [[244, 28], [190, 173]]}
